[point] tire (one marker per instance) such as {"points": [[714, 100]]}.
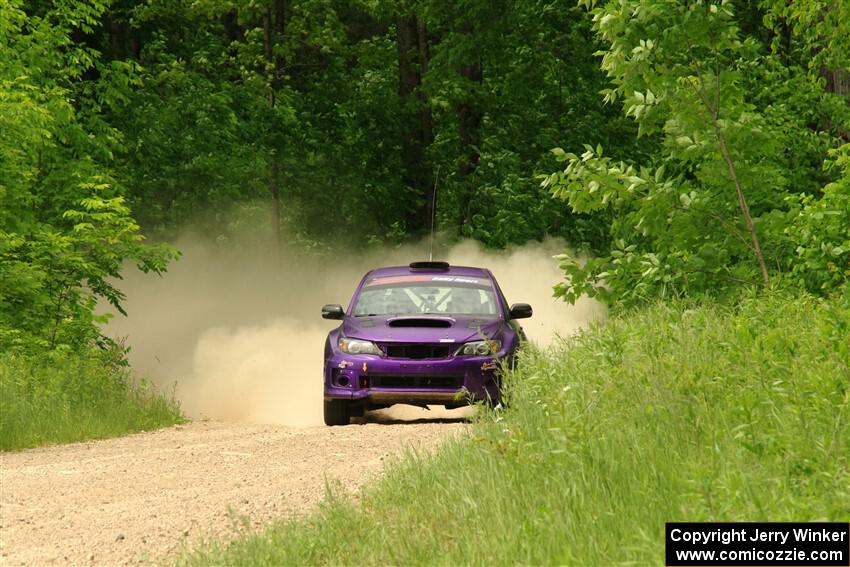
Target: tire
{"points": [[337, 412]]}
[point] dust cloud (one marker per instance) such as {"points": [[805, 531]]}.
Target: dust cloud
{"points": [[238, 334]]}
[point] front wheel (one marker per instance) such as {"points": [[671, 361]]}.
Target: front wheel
{"points": [[337, 412]]}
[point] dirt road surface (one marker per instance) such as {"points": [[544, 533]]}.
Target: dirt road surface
{"points": [[145, 497]]}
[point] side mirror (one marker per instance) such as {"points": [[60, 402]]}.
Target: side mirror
{"points": [[521, 311], [333, 311]]}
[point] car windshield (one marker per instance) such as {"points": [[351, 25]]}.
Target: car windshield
{"points": [[415, 295]]}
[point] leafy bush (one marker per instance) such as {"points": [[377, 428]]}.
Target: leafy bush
{"points": [[719, 206], [680, 411], [55, 274], [821, 231], [65, 230]]}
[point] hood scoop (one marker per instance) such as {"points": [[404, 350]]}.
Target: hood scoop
{"points": [[429, 322]]}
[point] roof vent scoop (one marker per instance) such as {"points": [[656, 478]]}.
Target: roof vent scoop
{"points": [[442, 266]]}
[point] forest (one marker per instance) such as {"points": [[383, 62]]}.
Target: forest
{"points": [[692, 157], [685, 149]]}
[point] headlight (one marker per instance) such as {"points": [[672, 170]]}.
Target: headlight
{"points": [[356, 346], [480, 348]]}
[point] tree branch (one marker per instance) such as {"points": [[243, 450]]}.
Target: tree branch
{"points": [[714, 112]]}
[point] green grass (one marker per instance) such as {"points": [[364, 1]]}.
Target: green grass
{"points": [[60, 398], [676, 412]]}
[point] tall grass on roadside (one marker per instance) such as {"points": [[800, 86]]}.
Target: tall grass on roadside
{"points": [[60, 398], [676, 412]]}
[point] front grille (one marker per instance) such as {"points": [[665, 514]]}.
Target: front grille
{"points": [[437, 382], [419, 351]]}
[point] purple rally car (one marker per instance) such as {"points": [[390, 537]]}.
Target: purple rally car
{"points": [[428, 333]]}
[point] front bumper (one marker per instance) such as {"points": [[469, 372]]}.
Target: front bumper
{"points": [[377, 381], [385, 397]]}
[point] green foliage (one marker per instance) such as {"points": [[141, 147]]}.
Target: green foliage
{"points": [[54, 278], [195, 113], [743, 138], [539, 89], [222, 108], [816, 31], [65, 232], [677, 411], [63, 397], [217, 111], [822, 233]]}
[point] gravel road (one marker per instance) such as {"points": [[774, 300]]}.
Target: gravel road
{"points": [[143, 498]]}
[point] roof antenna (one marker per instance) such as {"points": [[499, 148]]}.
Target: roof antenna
{"points": [[433, 216]]}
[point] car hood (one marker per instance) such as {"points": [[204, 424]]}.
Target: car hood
{"points": [[423, 328]]}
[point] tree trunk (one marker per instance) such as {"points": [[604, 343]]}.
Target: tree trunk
{"points": [[469, 125], [232, 30], [279, 29], [275, 190], [117, 37], [837, 81], [416, 130], [274, 26], [424, 59]]}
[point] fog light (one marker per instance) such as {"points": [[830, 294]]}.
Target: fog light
{"points": [[343, 381]]}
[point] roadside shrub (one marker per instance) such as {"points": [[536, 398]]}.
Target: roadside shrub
{"points": [[62, 397], [821, 232]]}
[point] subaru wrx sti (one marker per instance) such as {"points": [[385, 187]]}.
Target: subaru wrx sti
{"points": [[424, 334]]}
